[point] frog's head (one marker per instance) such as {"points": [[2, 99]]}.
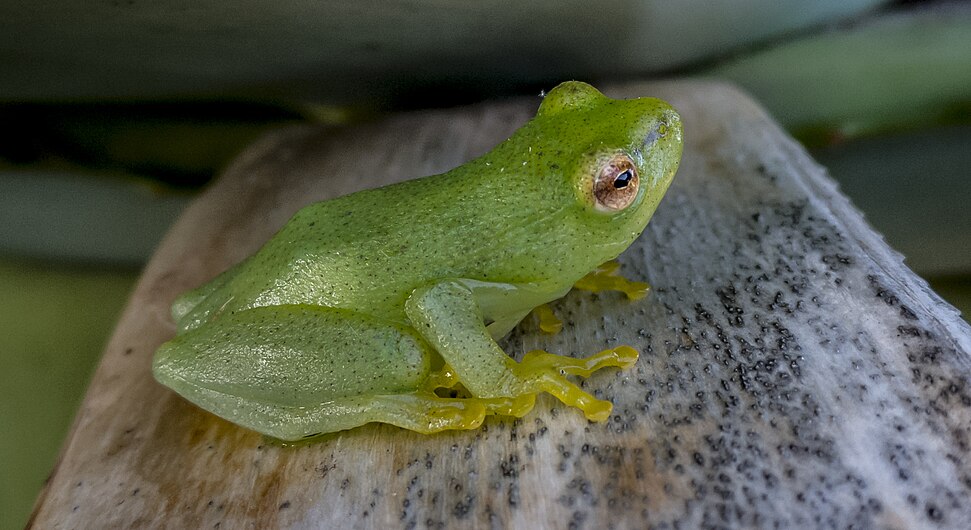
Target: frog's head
{"points": [[618, 156]]}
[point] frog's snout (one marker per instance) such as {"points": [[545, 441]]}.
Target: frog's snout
{"points": [[669, 125], [661, 146], [664, 131], [670, 141]]}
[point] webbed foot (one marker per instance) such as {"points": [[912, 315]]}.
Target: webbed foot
{"points": [[548, 321], [543, 371], [607, 278]]}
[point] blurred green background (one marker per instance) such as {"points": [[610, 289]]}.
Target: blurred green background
{"points": [[113, 116]]}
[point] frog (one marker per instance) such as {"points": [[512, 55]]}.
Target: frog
{"points": [[386, 305]]}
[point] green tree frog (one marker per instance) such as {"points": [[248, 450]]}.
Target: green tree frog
{"points": [[385, 305]]}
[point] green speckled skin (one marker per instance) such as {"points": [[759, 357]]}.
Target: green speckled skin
{"points": [[344, 316]]}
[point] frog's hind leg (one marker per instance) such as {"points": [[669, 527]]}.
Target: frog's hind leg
{"points": [[545, 369], [296, 371], [448, 378], [421, 412], [542, 370]]}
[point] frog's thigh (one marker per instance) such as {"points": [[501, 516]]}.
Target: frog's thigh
{"points": [[268, 366]]}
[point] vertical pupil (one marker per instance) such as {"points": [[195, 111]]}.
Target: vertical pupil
{"points": [[623, 179]]}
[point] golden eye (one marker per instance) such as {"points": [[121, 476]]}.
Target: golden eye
{"points": [[616, 184]]}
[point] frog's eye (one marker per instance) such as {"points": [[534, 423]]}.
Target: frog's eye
{"points": [[616, 185]]}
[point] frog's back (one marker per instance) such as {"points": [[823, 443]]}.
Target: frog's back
{"points": [[526, 212], [367, 251]]}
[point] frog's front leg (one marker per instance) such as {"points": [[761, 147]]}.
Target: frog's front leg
{"points": [[448, 316], [607, 277]]}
